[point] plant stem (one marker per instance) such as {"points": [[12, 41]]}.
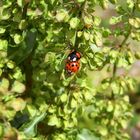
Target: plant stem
{"points": [[25, 11], [130, 27], [123, 43], [126, 38], [114, 69]]}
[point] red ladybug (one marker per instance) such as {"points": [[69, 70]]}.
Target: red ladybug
{"points": [[74, 56], [72, 67]]}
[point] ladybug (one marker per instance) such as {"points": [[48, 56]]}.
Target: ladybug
{"points": [[72, 67], [74, 56]]}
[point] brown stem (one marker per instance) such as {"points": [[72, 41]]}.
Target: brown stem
{"points": [[24, 13]]}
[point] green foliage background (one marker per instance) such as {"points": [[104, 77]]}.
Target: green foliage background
{"points": [[38, 100]]}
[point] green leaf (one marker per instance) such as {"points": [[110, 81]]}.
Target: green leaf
{"points": [[92, 66], [89, 21], [103, 131], [20, 3], [137, 55], [54, 121], [3, 44], [18, 74], [72, 36], [10, 64], [68, 124], [2, 30], [30, 128], [18, 104], [73, 103], [21, 53], [9, 114], [18, 87], [17, 38], [40, 101], [124, 123], [113, 1], [117, 111], [98, 39], [0, 72], [106, 32], [83, 60], [1, 130], [85, 134], [23, 24], [126, 98], [95, 48], [110, 107], [97, 21], [4, 83], [59, 136], [130, 57], [115, 87], [74, 22], [9, 132], [79, 33], [131, 84], [135, 22], [52, 109], [64, 97], [135, 35], [80, 1], [122, 62], [4, 14], [61, 15], [114, 53], [130, 4], [104, 3], [88, 96], [32, 111], [115, 20], [86, 35]]}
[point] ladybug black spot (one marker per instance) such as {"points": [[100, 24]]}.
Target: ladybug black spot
{"points": [[72, 65]]}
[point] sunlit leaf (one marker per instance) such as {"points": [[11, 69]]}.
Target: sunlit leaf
{"points": [[135, 22], [17, 38], [74, 22], [18, 87], [53, 120]]}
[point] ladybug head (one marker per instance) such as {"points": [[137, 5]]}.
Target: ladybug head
{"points": [[74, 56]]}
